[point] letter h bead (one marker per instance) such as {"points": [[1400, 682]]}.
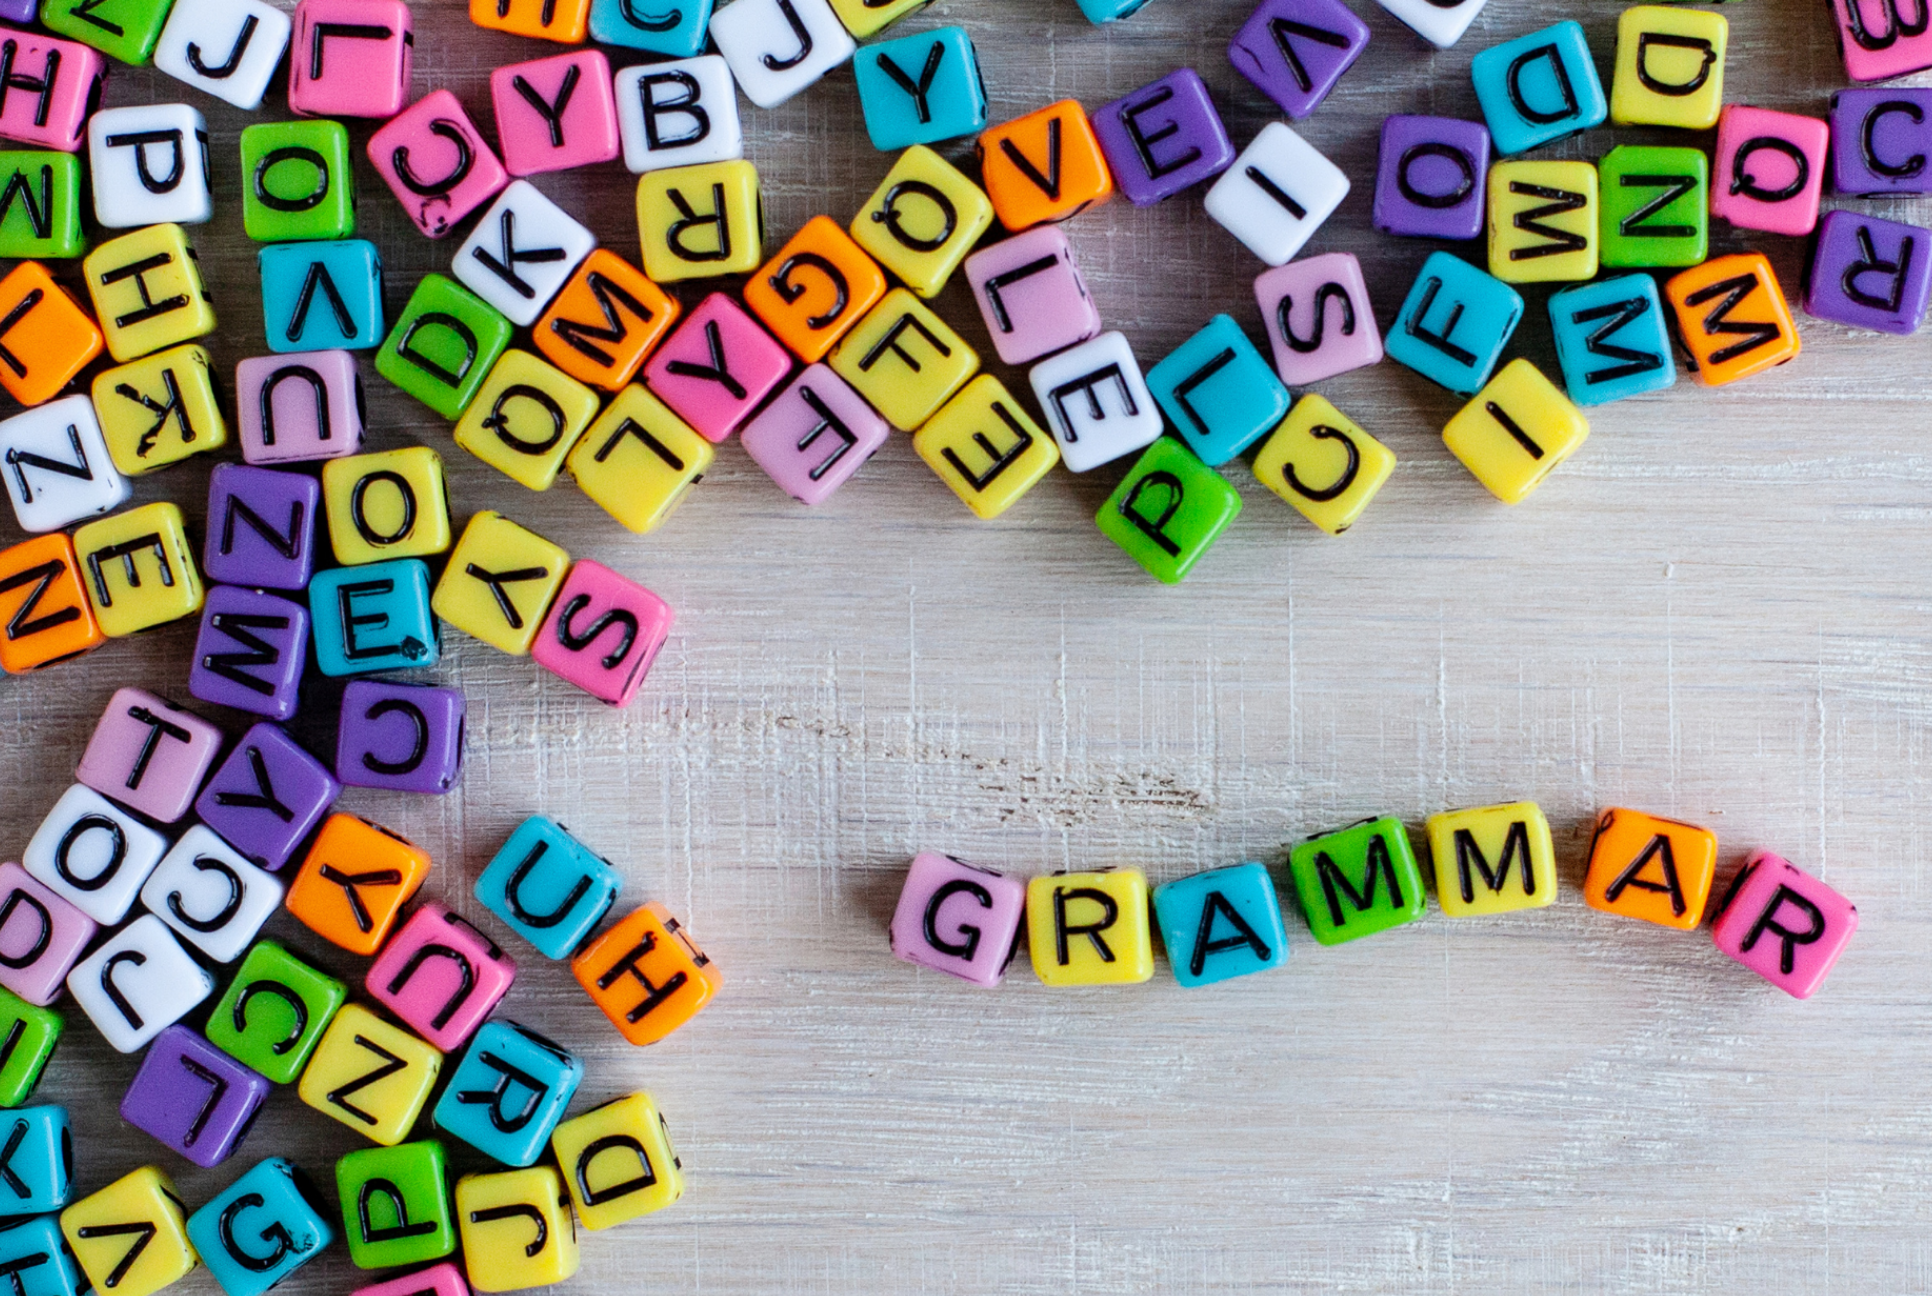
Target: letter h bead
{"points": [[548, 887], [48, 87], [193, 1097], [958, 918], [440, 976], [647, 975], [1784, 924]]}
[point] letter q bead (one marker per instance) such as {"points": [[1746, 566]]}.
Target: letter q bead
{"points": [[958, 918]]}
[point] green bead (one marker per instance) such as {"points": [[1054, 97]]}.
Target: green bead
{"points": [[1168, 511], [40, 202], [257, 1022], [1630, 178], [127, 30], [395, 1204], [297, 181], [27, 1038], [443, 345], [1358, 881]]}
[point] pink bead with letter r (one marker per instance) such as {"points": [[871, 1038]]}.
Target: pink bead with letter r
{"points": [[1784, 924], [602, 633], [958, 918]]}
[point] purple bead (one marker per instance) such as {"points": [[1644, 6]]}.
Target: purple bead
{"points": [[1430, 179], [261, 527], [267, 796], [1869, 273], [193, 1097], [1881, 141], [1296, 50], [1163, 137], [250, 652], [21, 12], [403, 736]]}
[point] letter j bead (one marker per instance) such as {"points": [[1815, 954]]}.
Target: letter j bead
{"points": [[958, 918]]}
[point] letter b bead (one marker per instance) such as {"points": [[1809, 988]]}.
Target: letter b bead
{"points": [[1784, 924], [958, 918]]}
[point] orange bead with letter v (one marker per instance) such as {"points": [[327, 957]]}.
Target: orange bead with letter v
{"points": [[1643, 866], [647, 975], [1045, 166], [355, 881]]}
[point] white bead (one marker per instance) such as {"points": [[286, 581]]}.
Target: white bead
{"points": [[678, 114], [229, 48], [93, 854], [1096, 401], [211, 895], [138, 984], [82, 481], [803, 37], [1277, 194], [494, 261], [149, 165], [1439, 26]]}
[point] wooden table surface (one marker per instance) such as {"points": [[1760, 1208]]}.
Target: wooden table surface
{"points": [[1715, 611]]}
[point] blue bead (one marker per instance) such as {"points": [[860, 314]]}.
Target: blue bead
{"points": [[1538, 88], [1106, 11], [37, 1257], [508, 1093], [548, 887], [374, 617], [1454, 324], [947, 98], [1221, 924], [39, 1146], [673, 28], [322, 296], [260, 1229], [1218, 392], [1612, 339]]}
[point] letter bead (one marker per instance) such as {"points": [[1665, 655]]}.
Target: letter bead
{"points": [[139, 569], [396, 1207], [1492, 859], [1542, 221], [394, 504], [56, 84], [260, 1228], [526, 419], [266, 796], [777, 48], [1218, 392], [1880, 140], [675, 32], [920, 89], [374, 618], [603, 324], [1357, 881], [93, 854], [1655, 869], [41, 938], [1655, 205], [227, 48], [1869, 273], [985, 445], [814, 435], [46, 337], [1670, 67], [700, 222], [647, 974], [436, 162], [683, 113], [499, 582], [138, 983], [922, 220], [350, 58], [319, 296], [35, 1250], [1100, 12], [440, 976], [1277, 194], [554, 113], [1163, 138], [1296, 50], [1454, 324], [565, 23], [1096, 402], [1538, 88], [957, 918], [548, 887], [354, 883], [1221, 924], [438, 1280], [40, 202], [1612, 339], [44, 613], [1441, 24], [160, 410], [299, 408], [603, 633], [39, 1160], [1784, 924], [58, 468], [147, 292], [1090, 928], [1319, 319], [371, 1076], [1895, 45], [815, 289], [904, 360], [516, 1227], [260, 527], [1732, 317], [149, 164], [1769, 169], [35, 1031], [717, 367], [407, 737], [1322, 465], [132, 1232], [508, 1093], [124, 30], [617, 1162], [212, 896], [193, 1097], [1031, 295], [1515, 432], [639, 460], [1045, 166], [864, 18], [250, 651], [1168, 511], [274, 1012], [517, 258], [442, 346]]}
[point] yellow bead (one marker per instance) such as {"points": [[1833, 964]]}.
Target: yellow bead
{"points": [[699, 222], [349, 1077], [1090, 928], [139, 569], [863, 17], [517, 1229], [904, 360], [1515, 431], [1320, 462], [160, 410], [525, 418], [618, 1162], [922, 220], [1670, 67], [1542, 221], [109, 1233], [389, 505], [499, 582], [985, 446], [639, 459], [1492, 859], [147, 292]]}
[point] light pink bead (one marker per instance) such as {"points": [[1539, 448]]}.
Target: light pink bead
{"points": [[1327, 326], [34, 918], [436, 162], [684, 371], [149, 755], [1031, 295], [576, 123], [1775, 185], [78, 74], [814, 435], [1880, 22], [335, 74], [1784, 924], [602, 633], [440, 976], [314, 410], [443, 1279], [958, 918]]}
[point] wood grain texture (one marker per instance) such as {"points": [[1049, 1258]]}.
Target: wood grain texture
{"points": [[1716, 610]]}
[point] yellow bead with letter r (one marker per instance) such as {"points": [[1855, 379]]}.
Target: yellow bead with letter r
{"points": [[1090, 928], [1321, 463], [699, 222], [1492, 859]]}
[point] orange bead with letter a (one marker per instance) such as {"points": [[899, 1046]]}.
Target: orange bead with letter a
{"points": [[44, 613], [647, 975], [1045, 166], [1643, 866], [607, 319], [815, 289], [355, 881], [1733, 317], [45, 336]]}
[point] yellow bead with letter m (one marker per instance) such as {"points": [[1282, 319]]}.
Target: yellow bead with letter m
{"points": [[1492, 859], [1090, 928]]}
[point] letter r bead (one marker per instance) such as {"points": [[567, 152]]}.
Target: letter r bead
{"points": [[1784, 924], [647, 975]]}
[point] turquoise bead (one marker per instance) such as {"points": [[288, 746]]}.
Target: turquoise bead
{"points": [[34, 1253], [673, 28], [1106, 11], [1454, 324], [548, 887], [920, 89], [508, 1093], [322, 296], [1538, 88], [40, 1169], [1221, 924], [1612, 339], [260, 1229], [1218, 392], [374, 617]]}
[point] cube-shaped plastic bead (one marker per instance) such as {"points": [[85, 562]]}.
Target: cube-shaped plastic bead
{"points": [[508, 1093], [193, 1097], [132, 1232], [1538, 88], [149, 755], [34, 1031], [127, 31], [273, 1013], [526, 418], [1669, 68], [1163, 137], [814, 435], [149, 164], [1441, 24], [920, 89], [354, 883], [34, 1250], [1096, 402], [1492, 859], [319, 296], [1296, 50], [647, 974], [1612, 339], [700, 222], [717, 366], [60, 85], [1218, 392], [1542, 221], [1784, 924], [865, 17], [676, 33], [1654, 204], [1090, 928], [517, 258], [957, 918], [372, 1076], [1099, 12], [440, 976], [226, 48], [1357, 881], [603, 633], [41, 938], [904, 360], [1515, 431], [499, 582], [815, 289], [267, 796], [439, 1279], [250, 651], [261, 1228], [213, 896], [394, 504], [639, 460], [1045, 166], [1769, 169], [350, 58], [441, 347], [1298, 302], [1880, 140], [565, 23], [44, 613], [1277, 194], [408, 737], [1168, 511], [396, 1205], [299, 408], [1869, 273], [1895, 45], [374, 618], [555, 113], [93, 854], [618, 1162], [516, 1225], [138, 983], [44, 332], [1659, 870], [147, 292], [140, 569], [40, 213], [1221, 924], [922, 220], [984, 445], [1454, 324], [777, 48], [436, 162], [1732, 317], [1323, 465], [40, 1160], [60, 467], [1031, 295], [548, 887], [605, 321], [160, 410]]}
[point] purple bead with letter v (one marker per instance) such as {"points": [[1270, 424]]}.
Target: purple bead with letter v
{"points": [[1163, 137], [193, 1097], [1296, 50]]}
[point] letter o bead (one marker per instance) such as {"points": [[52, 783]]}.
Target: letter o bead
{"points": [[958, 918], [1784, 924]]}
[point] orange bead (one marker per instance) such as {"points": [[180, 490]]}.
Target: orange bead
{"points": [[1733, 317], [356, 879], [45, 336], [564, 21], [607, 319], [44, 613], [1655, 869], [815, 288], [647, 975], [1045, 166]]}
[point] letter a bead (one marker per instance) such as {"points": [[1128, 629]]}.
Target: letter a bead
{"points": [[984, 445], [440, 976], [370, 1075], [1538, 88], [548, 887], [1515, 432], [1221, 924], [193, 1097], [499, 583], [1090, 928], [1784, 924], [354, 883], [261, 1228], [617, 1162], [1163, 138], [1168, 511], [1045, 166], [1493, 859], [149, 755], [436, 162], [922, 220], [700, 222], [44, 613], [1869, 273], [273, 1013], [1322, 465], [516, 1227], [603, 633], [958, 918], [1670, 67], [1732, 316], [1357, 881], [1655, 869], [45, 336], [1768, 169], [396, 1207], [646, 975], [131, 1232]]}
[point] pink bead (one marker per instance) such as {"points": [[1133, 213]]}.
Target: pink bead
{"points": [[436, 162], [443, 1279], [814, 435], [149, 755], [1318, 317], [59, 121], [334, 72], [34, 921], [717, 367], [1784, 924], [555, 112], [602, 633], [958, 918], [440, 976], [1882, 24], [1031, 295], [314, 410], [1769, 169]]}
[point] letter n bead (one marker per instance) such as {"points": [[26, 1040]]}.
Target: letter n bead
{"points": [[602, 633], [617, 1162], [261, 1228], [273, 1013], [34, 1032], [46, 338], [1880, 141], [1357, 881], [1655, 205], [408, 737], [350, 58], [58, 467], [442, 346], [370, 1075], [1515, 432], [266, 796], [1163, 138], [548, 887], [149, 755], [1492, 859], [1323, 465], [44, 613], [1090, 928], [126, 31], [440, 976], [647, 975], [1221, 924], [40, 204], [1318, 316], [1869, 273], [1168, 511], [131, 1233], [1784, 924], [1296, 50], [516, 1226], [396, 1207], [508, 1093], [355, 881], [1538, 88], [1642, 866], [193, 1097], [958, 918], [1732, 317], [436, 162], [1881, 39], [41, 938], [1769, 169], [1045, 166]]}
